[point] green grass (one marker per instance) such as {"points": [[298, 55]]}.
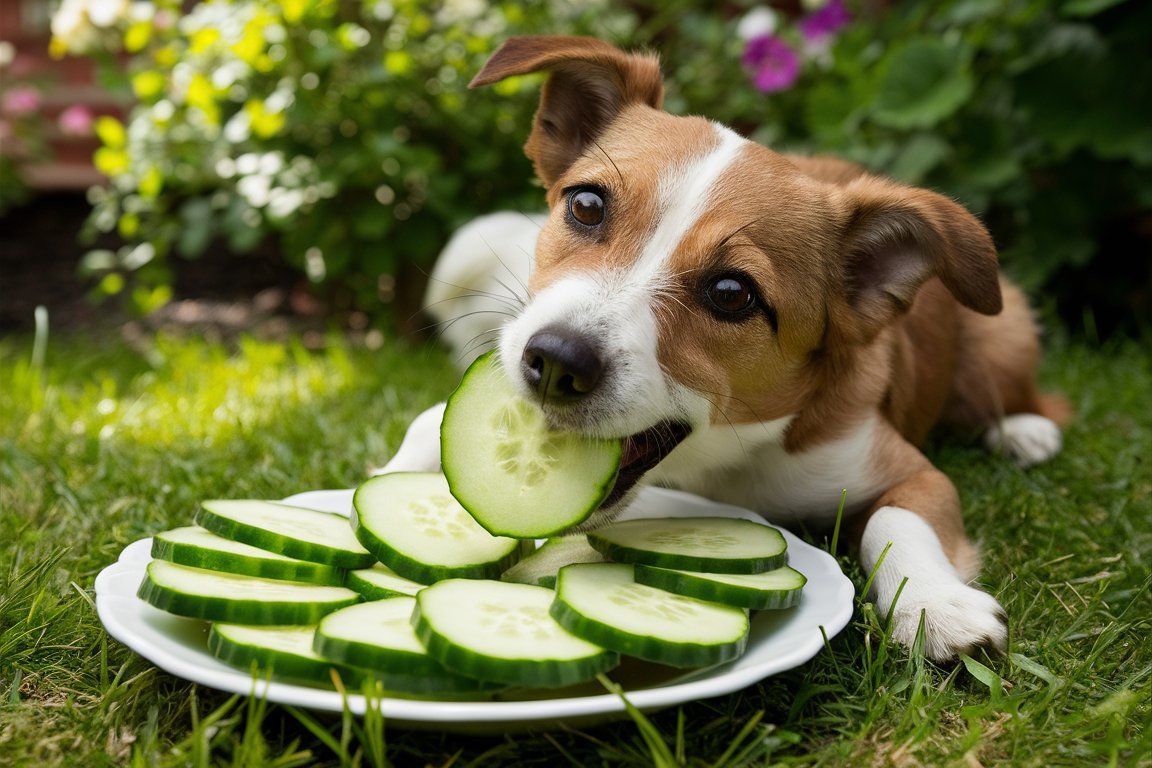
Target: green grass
{"points": [[105, 443]]}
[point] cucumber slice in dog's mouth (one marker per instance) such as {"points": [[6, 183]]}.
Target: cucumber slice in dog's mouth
{"points": [[517, 475], [642, 452]]}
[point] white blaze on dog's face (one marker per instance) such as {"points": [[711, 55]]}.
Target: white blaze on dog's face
{"points": [[662, 254]]}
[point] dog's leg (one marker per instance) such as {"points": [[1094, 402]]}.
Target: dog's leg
{"points": [[419, 451], [995, 387], [918, 521]]}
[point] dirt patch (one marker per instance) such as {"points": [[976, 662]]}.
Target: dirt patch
{"points": [[40, 256]]}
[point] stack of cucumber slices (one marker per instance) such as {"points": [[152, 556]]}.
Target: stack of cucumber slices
{"points": [[419, 594]]}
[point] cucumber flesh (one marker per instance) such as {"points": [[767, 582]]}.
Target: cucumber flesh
{"points": [[379, 636], [710, 544], [200, 548], [540, 567], [379, 582], [411, 523], [498, 631], [236, 599], [306, 534], [283, 653], [513, 473], [779, 588], [602, 603]]}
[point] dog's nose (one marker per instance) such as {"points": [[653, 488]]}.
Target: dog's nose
{"points": [[560, 365]]}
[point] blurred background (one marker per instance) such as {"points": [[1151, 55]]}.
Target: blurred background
{"points": [[309, 158]]}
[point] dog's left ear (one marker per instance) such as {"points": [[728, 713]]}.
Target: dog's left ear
{"points": [[897, 238], [590, 82]]}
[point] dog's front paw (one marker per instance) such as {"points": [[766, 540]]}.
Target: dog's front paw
{"points": [[957, 619]]}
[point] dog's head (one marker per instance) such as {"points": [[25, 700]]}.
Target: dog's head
{"points": [[687, 276]]}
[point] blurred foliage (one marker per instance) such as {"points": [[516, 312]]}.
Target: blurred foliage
{"points": [[345, 127]]}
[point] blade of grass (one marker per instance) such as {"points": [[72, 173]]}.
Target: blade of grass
{"points": [[662, 756]]}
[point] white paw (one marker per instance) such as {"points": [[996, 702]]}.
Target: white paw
{"points": [[957, 619], [419, 451], [1027, 438]]}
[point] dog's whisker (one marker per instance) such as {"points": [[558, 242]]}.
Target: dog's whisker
{"points": [[442, 326], [476, 345]]}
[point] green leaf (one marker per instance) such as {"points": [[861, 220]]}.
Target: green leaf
{"points": [[199, 227], [917, 156], [924, 82], [990, 679], [1036, 669]]}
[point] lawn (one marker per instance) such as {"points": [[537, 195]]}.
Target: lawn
{"points": [[106, 441]]}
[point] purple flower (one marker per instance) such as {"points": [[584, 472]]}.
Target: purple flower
{"points": [[819, 26], [772, 63]]}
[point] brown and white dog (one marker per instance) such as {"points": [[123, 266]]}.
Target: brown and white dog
{"points": [[764, 330]]}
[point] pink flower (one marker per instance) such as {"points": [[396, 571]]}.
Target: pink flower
{"points": [[771, 63], [821, 25], [76, 121], [21, 101]]}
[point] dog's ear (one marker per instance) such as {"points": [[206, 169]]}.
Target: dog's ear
{"points": [[897, 238], [590, 82]]}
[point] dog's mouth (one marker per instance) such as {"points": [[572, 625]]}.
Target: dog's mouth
{"points": [[643, 451]]}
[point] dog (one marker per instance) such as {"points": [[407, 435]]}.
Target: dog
{"points": [[760, 329]]}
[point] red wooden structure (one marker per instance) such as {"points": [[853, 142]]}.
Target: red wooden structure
{"points": [[62, 83]]}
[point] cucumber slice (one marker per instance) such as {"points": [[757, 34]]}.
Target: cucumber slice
{"points": [[513, 473], [283, 653], [494, 630], [779, 588], [380, 582], [306, 534], [711, 544], [540, 567], [411, 523], [379, 636], [236, 599], [200, 548], [602, 603]]}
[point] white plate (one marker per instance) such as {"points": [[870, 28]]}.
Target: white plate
{"points": [[779, 640]]}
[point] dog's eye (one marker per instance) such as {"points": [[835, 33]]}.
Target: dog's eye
{"points": [[730, 295], [587, 207]]}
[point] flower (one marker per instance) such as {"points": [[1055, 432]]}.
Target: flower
{"points": [[772, 63], [821, 25], [76, 120], [758, 22], [21, 101], [78, 26]]}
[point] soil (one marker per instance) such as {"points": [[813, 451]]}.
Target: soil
{"points": [[256, 293]]}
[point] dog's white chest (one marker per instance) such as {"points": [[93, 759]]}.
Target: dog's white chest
{"points": [[747, 465]]}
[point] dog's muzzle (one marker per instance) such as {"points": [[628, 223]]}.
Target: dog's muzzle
{"points": [[563, 368]]}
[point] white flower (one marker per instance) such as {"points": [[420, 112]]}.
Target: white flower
{"points": [[108, 13], [78, 25], [761, 21]]}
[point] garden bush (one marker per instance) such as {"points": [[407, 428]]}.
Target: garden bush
{"points": [[344, 127]]}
